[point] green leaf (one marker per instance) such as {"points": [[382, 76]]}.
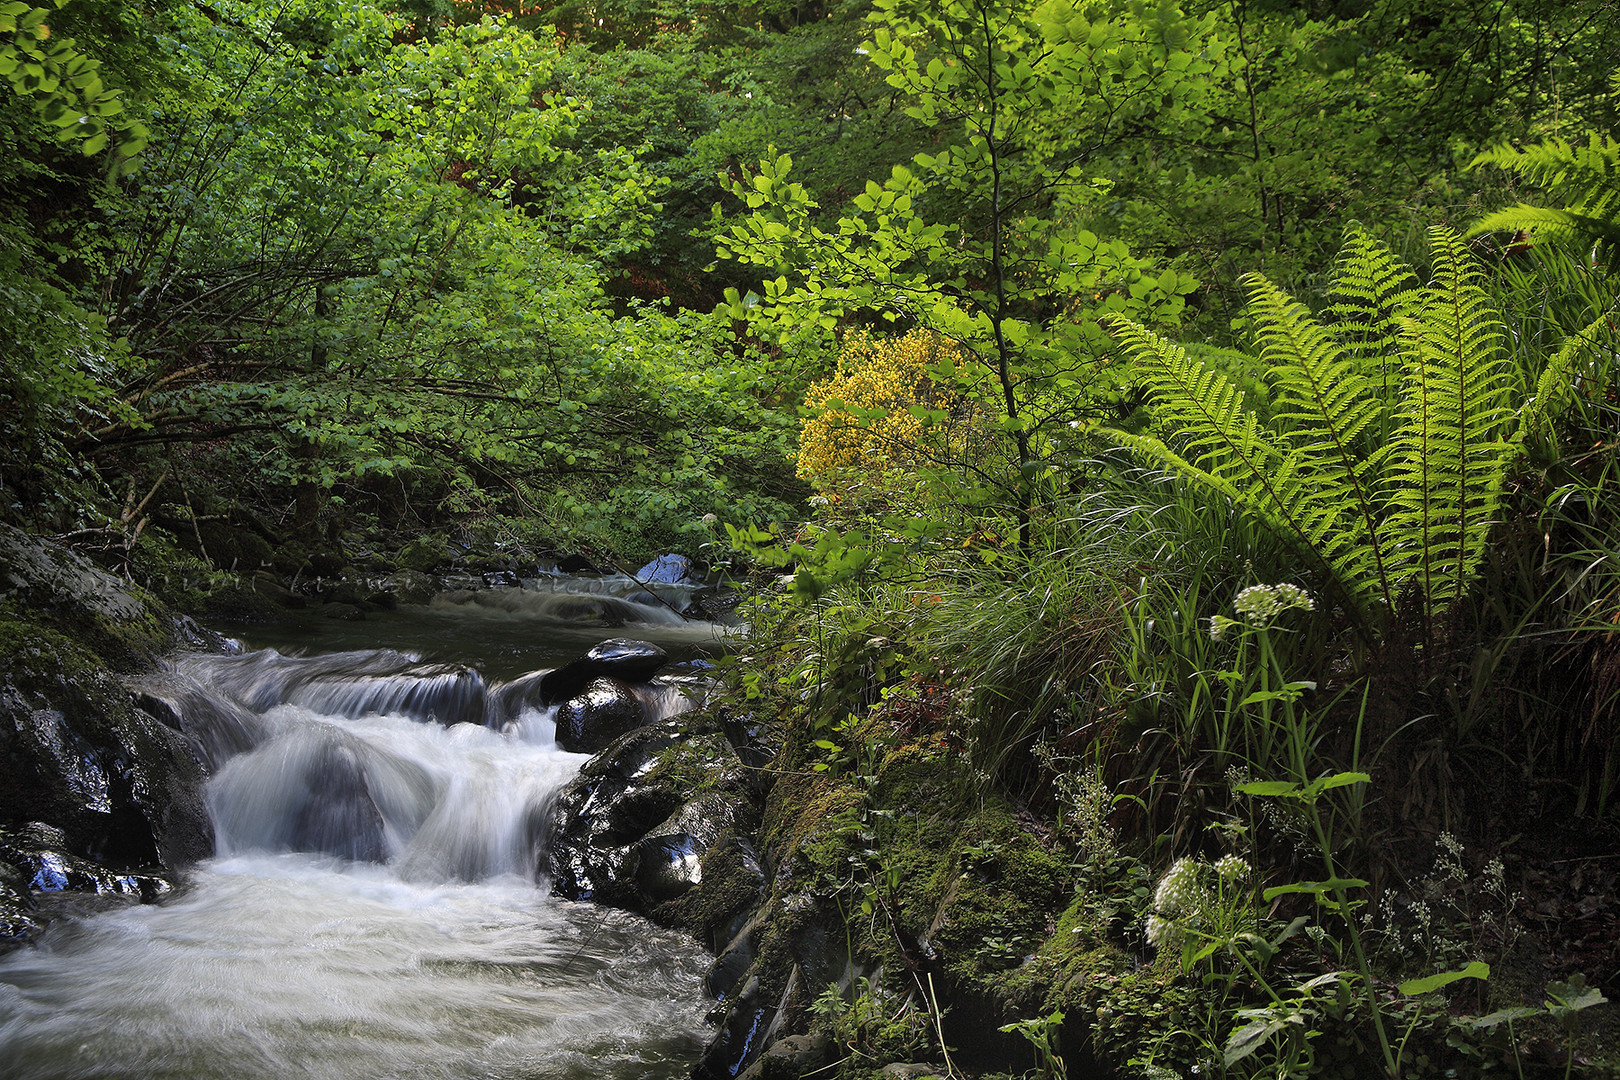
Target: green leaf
{"points": [[1415, 987], [1250, 1038], [1503, 1016], [1315, 888], [1269, 788]]}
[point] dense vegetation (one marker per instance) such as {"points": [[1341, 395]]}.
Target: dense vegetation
{"points": [[1208, 428]]}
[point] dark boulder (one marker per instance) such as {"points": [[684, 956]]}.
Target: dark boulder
{"points": [[314, 788], [410, 586], [326, 564], [595, 610], [38, 857], [643, 823], [423, 554], [117, 620], [625, 659], [75, 752], [216, 727], [576, 564], [593, 718], [340, 817]]}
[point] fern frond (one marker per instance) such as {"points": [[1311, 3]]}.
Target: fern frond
{"points": [[1585, 178], [1372, 291], [1449, 452], [1326, 403], [1556, 385], [1283, 482]]}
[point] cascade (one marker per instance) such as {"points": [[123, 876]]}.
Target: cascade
{"points": [[373, 907]]}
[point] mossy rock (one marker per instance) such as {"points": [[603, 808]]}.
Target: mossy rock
{"points": [[55, 587], [234, 548], [423, 554], [77, 754]]}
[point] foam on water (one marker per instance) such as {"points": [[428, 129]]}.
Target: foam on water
{"points": [[374, 912]]}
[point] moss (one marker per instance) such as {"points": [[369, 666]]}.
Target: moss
{"points": [[727, 888], [798, 816], [423, 554], [38, 659]]}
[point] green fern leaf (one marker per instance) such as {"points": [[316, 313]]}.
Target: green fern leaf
{"points": [[1585, 178], [1450, 450], [1325, 403], [1398, 522], [1373, 291], [1278, 481]]}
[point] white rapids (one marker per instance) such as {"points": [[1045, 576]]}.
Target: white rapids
{"points": [[372, 912]]}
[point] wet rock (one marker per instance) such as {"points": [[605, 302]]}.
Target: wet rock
{"points": [[713, 603], [37, 856], [410, 586], [793, 1056], [216, 728], [628, 830], [315, 789], [668, 570], [625, 659], [576, 564], [748, 1033], [340, 818], [118, 620], [326, 564], [596, 610], [77, 753], [509, 699], [17, 921], [422, 555], [189, 633], [604, 710], [345, 612]]}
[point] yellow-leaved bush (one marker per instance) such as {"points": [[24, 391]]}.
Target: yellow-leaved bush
{"points": [[842, 441]]}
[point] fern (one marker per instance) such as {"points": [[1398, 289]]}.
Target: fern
{"points": [[1585, 178], [1373, 291], [1449, 454], [1390, 431]]}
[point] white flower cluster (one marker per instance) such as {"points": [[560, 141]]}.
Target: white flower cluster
{"points": [[1231, 869], [1260, 604], [1178, 896]]}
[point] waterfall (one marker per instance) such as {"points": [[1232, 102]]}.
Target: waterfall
{"points": [[372, 909]]}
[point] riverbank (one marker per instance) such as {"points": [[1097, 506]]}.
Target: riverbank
{"points": [[824, 827]]}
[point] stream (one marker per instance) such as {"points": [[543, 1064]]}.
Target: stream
{"points": [[372, 907]]}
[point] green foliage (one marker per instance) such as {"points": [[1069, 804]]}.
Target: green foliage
{"points": [[362, 248], [1042, 1035], [66, 87], [1018, 286], [1585, 178], [871, 1026], [1393, 494]]}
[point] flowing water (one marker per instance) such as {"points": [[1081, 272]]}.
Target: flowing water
{"points": [[372, 909]]}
